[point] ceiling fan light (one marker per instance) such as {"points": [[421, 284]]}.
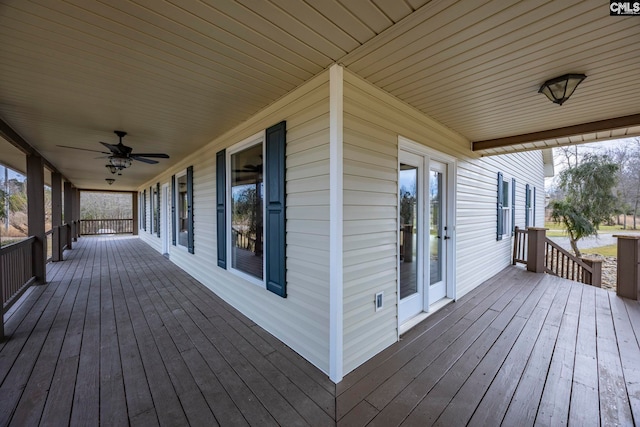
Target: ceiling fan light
{"points": [[111, 168], [110, 180], [120, 162], [559, 89]]}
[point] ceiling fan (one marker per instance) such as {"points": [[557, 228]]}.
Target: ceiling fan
{"points": [[121, 155]]}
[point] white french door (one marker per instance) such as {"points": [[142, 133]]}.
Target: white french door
{"points": [[439, 233], [425, 230]]}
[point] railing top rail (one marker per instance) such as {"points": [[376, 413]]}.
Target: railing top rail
{"points": [[17, 245], [48, 233], [108, 219], [568, 255]]}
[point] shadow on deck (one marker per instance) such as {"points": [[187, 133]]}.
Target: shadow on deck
{"points": [[122, 336]]}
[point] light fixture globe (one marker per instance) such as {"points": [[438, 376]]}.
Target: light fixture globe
{"points": [[111, 168], [558, 90], [120, 162]]}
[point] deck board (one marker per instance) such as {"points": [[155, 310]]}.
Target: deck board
{"points": [[120, 336]]}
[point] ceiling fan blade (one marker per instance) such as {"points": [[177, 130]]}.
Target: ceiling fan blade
{"points": [[156, 155], [113, 148], [83, 149], [142, 159]]}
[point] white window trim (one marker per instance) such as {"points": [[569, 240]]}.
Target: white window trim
{"points": [[180, 247], [258, 138]]}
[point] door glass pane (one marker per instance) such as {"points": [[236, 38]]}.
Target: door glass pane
{"points": [[408, 230], [246, 211], [436, 229]]}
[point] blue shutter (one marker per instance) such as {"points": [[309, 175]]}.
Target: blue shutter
{"points": [[144, 208], [157, 208], [151, 218], [527, 204], [221, 207], [190, 239], [173, 210], [275, 209], [499, 205], [513, 206]]}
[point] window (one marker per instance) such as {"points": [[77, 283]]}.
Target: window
{"points": [[250, 204], [506, 207], [530, 206], [155, 209], [182, 209], [246, 204]]}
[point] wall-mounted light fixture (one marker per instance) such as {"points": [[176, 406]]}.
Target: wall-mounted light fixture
{"points": [[558, 90]]}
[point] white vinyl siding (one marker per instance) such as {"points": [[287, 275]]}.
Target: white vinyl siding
{"points": [[373, 120], [301, 320], [372, 123], [478, 254]]}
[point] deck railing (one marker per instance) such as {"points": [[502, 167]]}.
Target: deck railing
{"points": [[16, 273], [242, 240], [48, 244], [542, 255], [562, 263], [520, 246], [106, 226]]}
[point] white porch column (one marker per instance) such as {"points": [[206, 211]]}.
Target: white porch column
{"points": [[336, 275]]}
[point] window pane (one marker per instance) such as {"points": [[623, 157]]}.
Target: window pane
{"points": [[409, 232], [505, 194], [182, 211], [247, 189]]}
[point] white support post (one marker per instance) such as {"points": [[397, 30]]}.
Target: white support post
{"points": [[336, 274]]}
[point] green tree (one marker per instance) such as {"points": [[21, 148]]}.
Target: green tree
{"points": [[2, 203], [589, 198]]}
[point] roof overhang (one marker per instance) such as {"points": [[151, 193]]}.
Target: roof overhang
{"points": [[177, 76]]}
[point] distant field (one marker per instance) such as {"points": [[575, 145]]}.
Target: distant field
{"points": [[555, 229]]}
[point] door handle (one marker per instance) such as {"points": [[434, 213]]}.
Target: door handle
{"points": [[446, 237]]}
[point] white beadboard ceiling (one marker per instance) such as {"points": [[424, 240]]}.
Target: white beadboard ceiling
{"points": [[176, 74]]}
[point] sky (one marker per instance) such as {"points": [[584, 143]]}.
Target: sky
{"points": [[559, 165], [12, 173]]}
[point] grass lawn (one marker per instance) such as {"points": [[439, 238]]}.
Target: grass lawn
{"points": [[610, 250], [556, 230]]}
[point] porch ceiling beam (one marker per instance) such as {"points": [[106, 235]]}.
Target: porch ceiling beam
{"points": [[584, 128], [21, 144]]}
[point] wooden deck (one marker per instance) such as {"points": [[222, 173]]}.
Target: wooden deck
{"points": [[521, 349], [121, 336]]}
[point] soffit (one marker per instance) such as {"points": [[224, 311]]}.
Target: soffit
{"points": [[177, 75], [478, 70], [173, 75]]}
